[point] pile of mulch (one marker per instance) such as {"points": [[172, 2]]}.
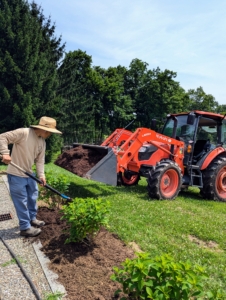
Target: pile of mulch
{"points": [[79, 160], [84, 269]]}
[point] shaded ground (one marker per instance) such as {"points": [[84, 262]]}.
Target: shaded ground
{"points": [[79, 160], [83, 269]]}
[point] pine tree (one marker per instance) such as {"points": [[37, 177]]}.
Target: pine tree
{"points": [[75, 88], [29, 56]]}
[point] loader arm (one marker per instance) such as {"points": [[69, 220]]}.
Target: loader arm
{"points": [[118, 137], [143, 135]]}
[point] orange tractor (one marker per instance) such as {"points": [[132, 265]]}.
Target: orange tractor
{"points": [[189, 151]]}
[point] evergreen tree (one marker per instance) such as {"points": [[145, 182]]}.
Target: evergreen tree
{"points": [[94, 99], [75, 84], [29, 55]]}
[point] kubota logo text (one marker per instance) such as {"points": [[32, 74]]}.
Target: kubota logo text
{"points": [[164, 138], [146, 134]]}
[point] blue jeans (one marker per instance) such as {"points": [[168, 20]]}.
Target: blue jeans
{"points": [[24, 193]]}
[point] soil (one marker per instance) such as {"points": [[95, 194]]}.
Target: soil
{"points": [[80, 160], [84, 269]]}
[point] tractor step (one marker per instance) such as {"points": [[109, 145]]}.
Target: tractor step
{"points": [[196, 176]]}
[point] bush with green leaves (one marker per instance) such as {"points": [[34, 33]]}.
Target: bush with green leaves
{"points": [[60, 183], [162, 278], [85, 218]]}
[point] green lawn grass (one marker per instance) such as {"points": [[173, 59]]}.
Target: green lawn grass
{"points": [[188, 228]]}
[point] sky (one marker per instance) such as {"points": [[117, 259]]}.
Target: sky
{"points": [[184, 36]]}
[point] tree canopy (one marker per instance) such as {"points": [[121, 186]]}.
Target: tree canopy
{"points": [[38, 78]]}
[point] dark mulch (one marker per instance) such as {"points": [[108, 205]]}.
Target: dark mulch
{"points": [[84, 269], [79, 160]]}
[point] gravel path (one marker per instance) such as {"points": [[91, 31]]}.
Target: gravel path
{"points": [[13, 284]]}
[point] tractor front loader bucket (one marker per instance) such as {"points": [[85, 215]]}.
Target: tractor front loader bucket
{"points": [[105, 170], [93, 162]]}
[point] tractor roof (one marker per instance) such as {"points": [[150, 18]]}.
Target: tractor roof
{"points": [[203, 113]]}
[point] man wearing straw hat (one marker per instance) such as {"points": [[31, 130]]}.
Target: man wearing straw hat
{"points": [[28, 149]]}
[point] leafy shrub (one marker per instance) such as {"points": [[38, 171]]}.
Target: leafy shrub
{"points": [[161, 278], [59, 183], [85, 217]]}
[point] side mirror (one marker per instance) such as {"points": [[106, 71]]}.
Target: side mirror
{"points": [[191, 119]]}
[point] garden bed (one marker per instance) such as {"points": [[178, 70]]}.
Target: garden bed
{"points": [[84, 269]]}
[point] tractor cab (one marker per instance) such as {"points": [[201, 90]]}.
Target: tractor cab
{"points": [[201, 133]]}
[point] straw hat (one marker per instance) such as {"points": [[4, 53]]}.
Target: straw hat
{"points": [[47, 124]]}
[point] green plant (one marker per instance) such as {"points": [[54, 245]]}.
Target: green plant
{"points": [[12, 261], [53, 296], [58, 182], [85, 217], [161, 278]]}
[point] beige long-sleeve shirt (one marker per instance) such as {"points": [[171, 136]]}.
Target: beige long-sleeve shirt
{"points": [[28, 149]]}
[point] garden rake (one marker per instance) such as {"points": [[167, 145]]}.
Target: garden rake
{"points": [[39, 181]]}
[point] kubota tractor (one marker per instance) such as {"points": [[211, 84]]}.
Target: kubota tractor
{"points": [[189, 151]]}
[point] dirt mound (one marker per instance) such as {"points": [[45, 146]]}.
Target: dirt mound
{"points": [[79, 160]]}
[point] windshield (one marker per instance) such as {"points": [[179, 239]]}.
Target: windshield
{"points": [[184, 130], [207, 129]]}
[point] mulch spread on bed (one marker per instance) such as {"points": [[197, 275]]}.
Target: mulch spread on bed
{"points": [[84, 269]]}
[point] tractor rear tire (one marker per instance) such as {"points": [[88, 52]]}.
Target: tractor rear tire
{"points": [[129, 180], [214, 180], [164, 182]]}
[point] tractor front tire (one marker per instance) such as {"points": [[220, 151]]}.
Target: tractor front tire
{"points": [[128, 179], [164, 182], [214, 180]]}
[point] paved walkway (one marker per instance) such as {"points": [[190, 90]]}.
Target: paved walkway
{"points": [[13, 284]]}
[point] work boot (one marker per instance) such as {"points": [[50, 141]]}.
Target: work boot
{"points": [[30, 232], [37, 223]]}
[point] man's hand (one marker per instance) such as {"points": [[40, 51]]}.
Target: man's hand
{"points": [[43, 180], [6, 158]]}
